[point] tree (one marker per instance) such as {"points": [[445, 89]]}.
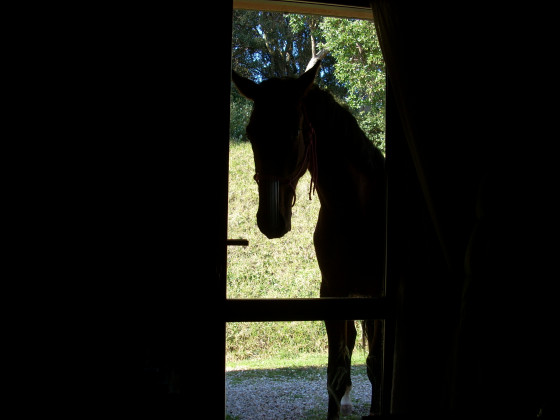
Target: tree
{"points": [[267, 44], [264, 45], [360, 67]]}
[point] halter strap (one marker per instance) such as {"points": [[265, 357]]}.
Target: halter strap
{"points": [[311, 149]]}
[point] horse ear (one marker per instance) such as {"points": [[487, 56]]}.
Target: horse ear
{"points": [[307, 79], [246, 87]]}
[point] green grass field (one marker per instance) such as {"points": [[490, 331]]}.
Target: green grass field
{"points": [[278, 268]]}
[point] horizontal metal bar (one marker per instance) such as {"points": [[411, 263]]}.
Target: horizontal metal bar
{"points": [[255, 310], [237, 242]]}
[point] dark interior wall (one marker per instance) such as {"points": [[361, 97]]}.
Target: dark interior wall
{"points": [[158, 100]]}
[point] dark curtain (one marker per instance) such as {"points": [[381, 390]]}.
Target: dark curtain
{"points": [[469, 206]]}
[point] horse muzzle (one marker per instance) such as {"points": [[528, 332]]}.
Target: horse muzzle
{"points": [[274, 214]]}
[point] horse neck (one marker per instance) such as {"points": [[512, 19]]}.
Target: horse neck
{"points": [[342, 177]]}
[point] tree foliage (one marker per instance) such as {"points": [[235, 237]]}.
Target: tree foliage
{"points": [[267, 44], [360, 67], [264, 45]]}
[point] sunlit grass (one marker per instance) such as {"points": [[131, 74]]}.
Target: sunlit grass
{"points": [[278, 268]]}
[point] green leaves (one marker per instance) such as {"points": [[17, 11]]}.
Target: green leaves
{"points": [[360, 67], [269, 44]]}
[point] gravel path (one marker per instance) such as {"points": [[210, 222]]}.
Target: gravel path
{"points": [[288, 394]]}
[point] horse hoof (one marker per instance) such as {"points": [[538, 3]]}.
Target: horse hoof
{"points": [[346, 409]]}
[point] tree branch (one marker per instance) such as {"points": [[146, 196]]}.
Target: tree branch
{"points": [[316, 57], [312, 46]]}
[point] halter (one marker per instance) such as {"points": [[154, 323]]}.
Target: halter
{"points": [[309, 161]]}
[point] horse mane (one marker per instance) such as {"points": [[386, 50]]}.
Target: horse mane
{"points": [[343, 127]]}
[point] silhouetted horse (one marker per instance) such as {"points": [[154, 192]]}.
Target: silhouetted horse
{"points": [[296, 126]]}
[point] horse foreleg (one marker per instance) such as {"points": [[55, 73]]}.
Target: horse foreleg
{"points": [[374, 333], [338, 370], [346, 401]]}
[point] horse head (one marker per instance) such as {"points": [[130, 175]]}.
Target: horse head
{"points": [[279, 135]]}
